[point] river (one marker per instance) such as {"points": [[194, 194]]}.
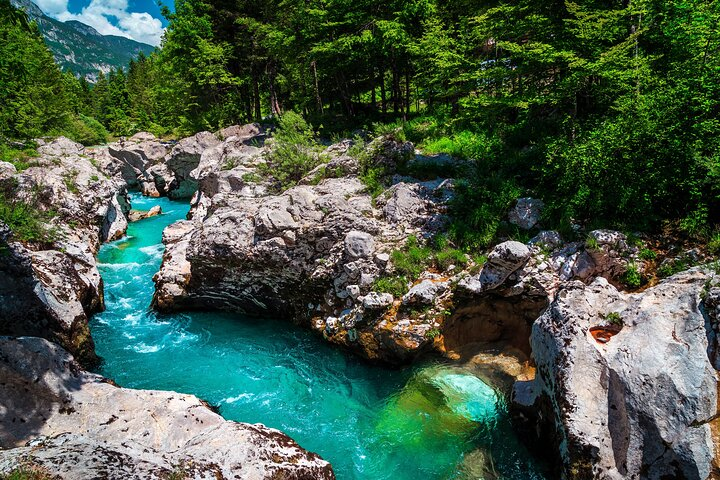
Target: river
{"points": [[432, 421]]}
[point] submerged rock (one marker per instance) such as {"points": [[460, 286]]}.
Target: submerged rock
{"points": [[137, 215], [635, 402], [74, 424]]}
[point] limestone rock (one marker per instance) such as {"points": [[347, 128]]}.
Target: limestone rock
{"points": [[637, 403], [75, 424], [183, 159], [52, 295], [377, 301], [547, 239], [359, 244], [526, 213], [7, 170], [425, 292], [504, 260], [137, 215]]}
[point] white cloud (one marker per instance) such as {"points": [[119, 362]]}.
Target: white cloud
{"points": [[109, 17], [52, 7]]}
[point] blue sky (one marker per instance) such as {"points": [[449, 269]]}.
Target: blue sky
{"points": [[137, 19]]}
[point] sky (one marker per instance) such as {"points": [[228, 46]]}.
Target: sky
{"points": [[137, 19]]}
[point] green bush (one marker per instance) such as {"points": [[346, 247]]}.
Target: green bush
{"points": [[479, 207], [25, 473], [413, 259], [713, 245], [295, 152], [26, 221], [647, 254], [614, 318], [632, 277], [22, 158], [85, 130], [395, 286]]}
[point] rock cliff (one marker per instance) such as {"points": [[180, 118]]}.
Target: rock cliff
{"points": [[624, 385], [50, 287]]}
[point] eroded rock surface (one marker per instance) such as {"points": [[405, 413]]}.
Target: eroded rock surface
{"points": [[624, 385], [74, 424], [50, 288]]}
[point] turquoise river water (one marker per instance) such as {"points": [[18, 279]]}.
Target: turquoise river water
{"points": [[431, 422]]}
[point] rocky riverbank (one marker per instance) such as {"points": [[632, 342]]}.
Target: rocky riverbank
{"points": [[57, 418], [621, 385], [318, 253]]}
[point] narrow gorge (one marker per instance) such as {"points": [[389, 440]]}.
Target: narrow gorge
{"points": [[272, 307]]}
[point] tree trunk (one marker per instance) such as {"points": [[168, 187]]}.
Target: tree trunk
{"points": [[256, 98], [318, 100]]}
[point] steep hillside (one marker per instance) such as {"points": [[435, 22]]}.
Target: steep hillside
{"points": [[79, 47]]}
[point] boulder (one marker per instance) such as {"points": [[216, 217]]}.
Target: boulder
{"points": [[137, 215], [73, 424], [624, 386], [547, 239], [526, 213], [377, 301], [504, 260], [359, 244], [425, 292], [7, 170]]}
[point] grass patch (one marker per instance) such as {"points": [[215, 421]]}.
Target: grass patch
{"points": [[22, 158], [395, 286], [632, 277], [26, 221], [26, 473]]}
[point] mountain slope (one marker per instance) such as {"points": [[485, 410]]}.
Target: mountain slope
{"points": [[79, 47]]}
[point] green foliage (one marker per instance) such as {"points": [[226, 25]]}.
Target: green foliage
{"points": [[86, 130], [614, 318], [25, 473], [396, 286], [413, 259], [647, 254], [671, 267], [632, 277], [22, 157], [479, 207], [433, 333], [26, 221], [591, 243], [294, 153], [70, 181], [713, 245]]}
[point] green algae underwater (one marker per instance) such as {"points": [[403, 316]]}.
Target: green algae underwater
{"points": [[432, 421]]}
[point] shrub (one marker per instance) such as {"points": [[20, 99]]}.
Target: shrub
{"points": [[85, 130], [395, 286], [433, 333], [479, 207], [20, 156], [713, 245], [614, 318], [27, 223], [647, 254], [295, 152], [632, 277]]}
